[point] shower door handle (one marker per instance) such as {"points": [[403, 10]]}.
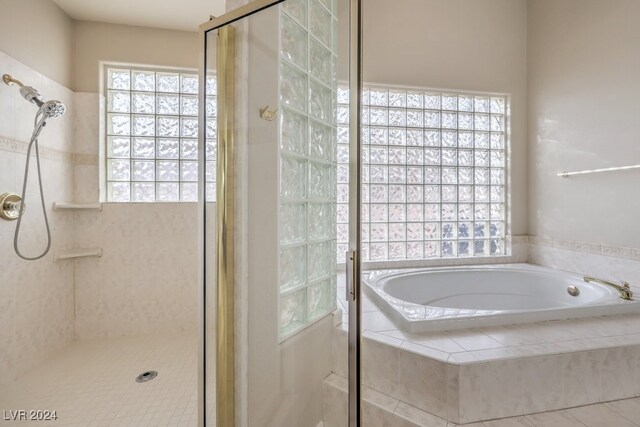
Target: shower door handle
{"points": [[351, 282]]}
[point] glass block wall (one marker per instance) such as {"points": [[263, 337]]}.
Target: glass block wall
{"points": [[308, 90], [152, 135], [434, 174]]}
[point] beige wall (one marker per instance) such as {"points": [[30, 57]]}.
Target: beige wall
{"points": [[95, 42], [42, 36], [38, 34], [584, 91], [456, 44]]}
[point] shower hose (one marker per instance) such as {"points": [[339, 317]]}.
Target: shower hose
{"points": [[39, 123]]}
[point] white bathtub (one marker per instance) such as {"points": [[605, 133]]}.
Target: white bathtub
{"points": [[436, 299]]}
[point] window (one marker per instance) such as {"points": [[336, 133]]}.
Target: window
{"points": [[434, 163], [308, 91], [434, 174], [152, 135]]}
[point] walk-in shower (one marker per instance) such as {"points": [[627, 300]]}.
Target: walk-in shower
{"points": [[14, 204]]}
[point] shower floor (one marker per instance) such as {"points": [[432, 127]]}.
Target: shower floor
{"points": [[92, 383]]}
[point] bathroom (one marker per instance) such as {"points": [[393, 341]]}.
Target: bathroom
{"points": [[320, 213]]}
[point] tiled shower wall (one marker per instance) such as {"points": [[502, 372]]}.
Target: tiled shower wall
{"points": [[146, 280], [36, 298], [308, 85]]}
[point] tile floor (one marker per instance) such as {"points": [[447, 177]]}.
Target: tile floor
{"points": [[619, 413], [92, 383]]}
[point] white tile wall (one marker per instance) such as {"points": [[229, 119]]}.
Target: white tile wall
{"points": [[607, 262], [86, 146], [597, 129], [36, 298], [146, 280]]}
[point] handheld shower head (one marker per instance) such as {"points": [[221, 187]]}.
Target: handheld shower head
{"points": [[31, 95], [49, 109], [52, 109]]}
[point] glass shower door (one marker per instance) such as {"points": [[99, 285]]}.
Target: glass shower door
{"points": [[273, 347]]}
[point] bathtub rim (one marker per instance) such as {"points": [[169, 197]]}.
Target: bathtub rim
{"points": [[374, 279]]}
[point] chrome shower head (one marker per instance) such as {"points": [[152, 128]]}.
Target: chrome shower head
{"points": [[52, 109], [31, 95], [49, 109]]}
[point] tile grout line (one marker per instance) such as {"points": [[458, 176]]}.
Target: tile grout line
{"points": [[617, 412]]}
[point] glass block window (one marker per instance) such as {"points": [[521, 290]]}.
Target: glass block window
{"points": [[434, 174], [308, 91], [152, 135]]}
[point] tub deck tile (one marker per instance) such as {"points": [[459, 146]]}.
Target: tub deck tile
{"points": [[473, 339]]}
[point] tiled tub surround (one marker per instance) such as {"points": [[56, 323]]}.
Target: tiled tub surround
{"points": [[379, 410], [472, 375], [482, 374], [36, 298], [447, 298]]}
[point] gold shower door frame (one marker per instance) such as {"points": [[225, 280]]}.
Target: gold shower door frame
{"points": [[225, 218]]}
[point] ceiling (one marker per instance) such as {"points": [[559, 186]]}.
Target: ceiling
{"points": [[184, 15]]}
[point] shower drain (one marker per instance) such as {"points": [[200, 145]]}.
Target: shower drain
{"points": [[146, 376]]}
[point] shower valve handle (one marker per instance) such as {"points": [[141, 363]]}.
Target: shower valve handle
{"points": [[10, 206]]}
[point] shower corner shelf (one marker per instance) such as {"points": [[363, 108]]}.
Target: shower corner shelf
{"points": [[78, 253], [71, 206]]}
